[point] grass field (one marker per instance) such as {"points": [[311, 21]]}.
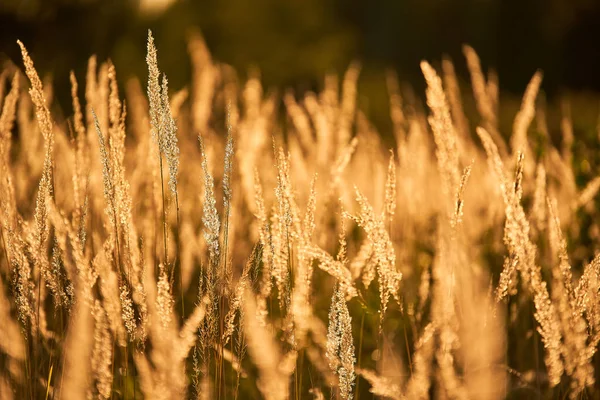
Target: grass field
{"points": [[227, 242]]}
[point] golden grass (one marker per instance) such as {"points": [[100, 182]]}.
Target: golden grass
{"points": [[114, 286]]}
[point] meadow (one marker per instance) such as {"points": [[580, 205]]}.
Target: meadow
{"points": [[225, 241]]}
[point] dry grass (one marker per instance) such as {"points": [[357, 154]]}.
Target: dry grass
{"points": [[443, 262]]}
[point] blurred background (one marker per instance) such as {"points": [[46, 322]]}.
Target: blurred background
{"points": [[295, 42]]}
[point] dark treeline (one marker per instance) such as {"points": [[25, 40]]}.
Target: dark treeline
{"points": [[295, 42]]}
